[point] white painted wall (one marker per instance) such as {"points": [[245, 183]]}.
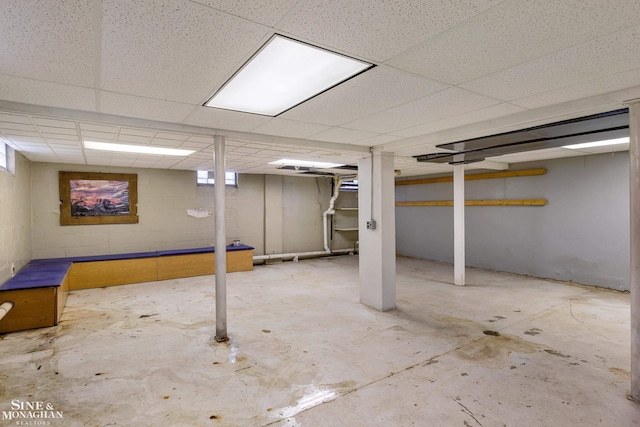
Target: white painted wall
{"points": [[582, 235], [15, 218]]}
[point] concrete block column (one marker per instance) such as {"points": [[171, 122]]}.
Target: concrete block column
{"points": [[458, 226], [376, 201]]}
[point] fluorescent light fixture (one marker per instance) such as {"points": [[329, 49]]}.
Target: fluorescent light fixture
{"points": [[598, 143], [142, 149], [283, 74], [306, 163]]}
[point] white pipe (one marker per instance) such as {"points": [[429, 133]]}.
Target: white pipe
{"points": [[5, 307], [221, 244], [297, 255]]}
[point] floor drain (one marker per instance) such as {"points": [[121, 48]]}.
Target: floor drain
{"points": [[492, 333]]}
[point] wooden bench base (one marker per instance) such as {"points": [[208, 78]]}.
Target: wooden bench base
{"points": [[176, 266], [102, 273], [98, 274], [34, 307]]}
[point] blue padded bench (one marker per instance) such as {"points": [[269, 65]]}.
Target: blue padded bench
{"points": [[39, 290], [39, 293]]}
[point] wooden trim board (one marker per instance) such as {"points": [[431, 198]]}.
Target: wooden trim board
{"points": [[502, 202], [473, 177]]}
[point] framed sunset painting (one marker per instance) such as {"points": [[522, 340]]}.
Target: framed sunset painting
{"points": [[98, 198]]}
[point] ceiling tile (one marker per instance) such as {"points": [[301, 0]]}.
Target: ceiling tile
{"points": [[70, 146], [71, 159], [97, 127], [381, 29], [246, 150], [612, 83], [161, 142], [173, 136], [133, 139], [13, 118], [355, 98], [177, 49], [377, 140], [203, 139], [446, 103], [24, 135], [23, 127], [610, 54], [342, 135], [52, 41], [289, 128], [98, 136], [137, 132], [193, 145], [224, 119], [493, 111], [55, 137], [35, 92], [67, 151], [48, 130], [516, 32], [26, 139], [268, 13], [55, 123], [143, 108]]}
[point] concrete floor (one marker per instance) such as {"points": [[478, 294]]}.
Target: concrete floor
{"points": [[304, 352]]}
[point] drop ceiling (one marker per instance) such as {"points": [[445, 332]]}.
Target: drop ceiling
{"points": [[139, 72]]}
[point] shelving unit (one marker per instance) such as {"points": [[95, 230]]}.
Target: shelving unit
{"points": [[345, 221]]}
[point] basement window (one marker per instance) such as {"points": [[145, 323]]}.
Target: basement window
{"points": [[7, 158], [208, 178], [349, 185]]}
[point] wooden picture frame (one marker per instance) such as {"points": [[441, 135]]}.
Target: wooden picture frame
{"points": [[98, 198]]}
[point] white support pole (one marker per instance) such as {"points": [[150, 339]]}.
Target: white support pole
{"points": [[458, 225], [221, 244], [634, 280]]}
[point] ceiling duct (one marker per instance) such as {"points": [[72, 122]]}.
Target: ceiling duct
{"points": [[597, 127]]}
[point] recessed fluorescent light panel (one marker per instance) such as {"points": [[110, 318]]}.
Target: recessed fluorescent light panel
{"points": [[141, 149], [598, 143], [283, 74], [305, 163]]}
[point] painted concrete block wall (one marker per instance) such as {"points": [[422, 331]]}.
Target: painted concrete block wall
{"points": [[244, 210], [582, 235], [163, 199], [273, 214], [304, 200], [15, 218]]}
